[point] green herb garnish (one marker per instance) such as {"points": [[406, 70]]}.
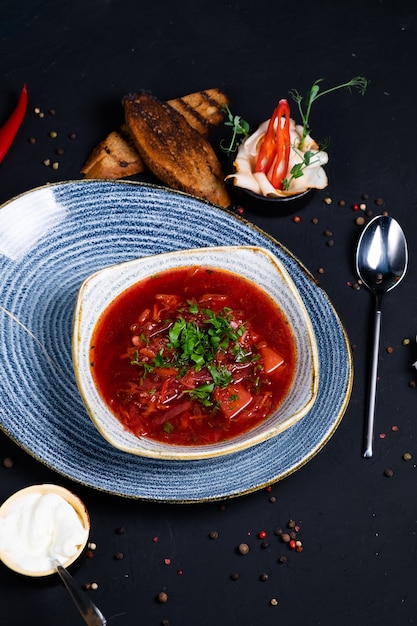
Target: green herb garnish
{"points": [[240, 127], [197, 345], [314, 93]]}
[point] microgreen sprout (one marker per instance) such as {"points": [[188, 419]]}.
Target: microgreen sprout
{"points": [[314, 93], [240, 128], [297, 169]]}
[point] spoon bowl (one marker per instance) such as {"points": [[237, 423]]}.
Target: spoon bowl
{"points": [[381, 263]]}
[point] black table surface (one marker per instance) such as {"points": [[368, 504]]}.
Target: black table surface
{"points": [[356, 520]]}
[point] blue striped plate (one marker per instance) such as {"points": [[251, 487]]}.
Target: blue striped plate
{"points": [[51, 239]]}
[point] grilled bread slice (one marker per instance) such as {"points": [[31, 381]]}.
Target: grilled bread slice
{"points": [[173, 151], [116, 156]]}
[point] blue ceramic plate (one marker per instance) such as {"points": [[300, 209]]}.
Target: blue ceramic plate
{"points": [[51, 239]]}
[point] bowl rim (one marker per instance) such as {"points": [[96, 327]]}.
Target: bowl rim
{"points": [[173, 452], [43, 489]]}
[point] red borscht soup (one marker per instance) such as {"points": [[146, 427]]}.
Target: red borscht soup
{"points": [[192, 356]]}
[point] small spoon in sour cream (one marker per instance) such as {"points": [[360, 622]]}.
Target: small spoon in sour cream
{"points": [[43, 527], [91, 614]]}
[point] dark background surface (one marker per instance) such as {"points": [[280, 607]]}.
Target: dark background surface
{"points": [[358, 527]]}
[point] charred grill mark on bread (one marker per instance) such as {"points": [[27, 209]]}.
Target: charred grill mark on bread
{"points": [[173, 151]]}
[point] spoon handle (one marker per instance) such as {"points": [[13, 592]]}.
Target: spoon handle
{"points": [[372, 383], [91, 614]]}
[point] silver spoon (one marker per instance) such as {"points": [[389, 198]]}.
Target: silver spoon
{"points": [[381, 263], [91, 614]]}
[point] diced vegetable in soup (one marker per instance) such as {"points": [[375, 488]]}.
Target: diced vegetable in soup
{"points": [[192, 356]]}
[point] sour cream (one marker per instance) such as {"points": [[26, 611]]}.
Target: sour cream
{"points": [[37, 526], [313, 176]]}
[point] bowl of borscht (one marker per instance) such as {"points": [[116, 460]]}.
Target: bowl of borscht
{"points": [[194, 354]]}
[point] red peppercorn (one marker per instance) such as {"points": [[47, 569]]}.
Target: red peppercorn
{"points": [[296, 219], [262, 534], [292, 544]]}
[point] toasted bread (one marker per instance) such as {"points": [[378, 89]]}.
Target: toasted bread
{"points": [[113, 158], [173, 151], [116, 156]]}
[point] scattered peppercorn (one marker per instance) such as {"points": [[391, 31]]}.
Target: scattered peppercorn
{"points": [[273, 602], [296, 219], [234, 576], [32, 140], [342, 203], [53, 134], [60, 151], [406, 342], [265, 544], [327, 233], [89, 554], [379, 201], [285, 537], [162, 597], [412, 383], [73, 136], [243, 548], [264, 577], [121, 530], [272, 499], [8, 462], [320, 270], [407, 456], [55, 165], [47, 162], [360, 221], [165, 622], [291, 523], [278, 532], [282, 560], [327, 200], [94, 586], [213, 534], [51, 111], [261, 534], [92, 545], [330, 243], [390, 349], [119, 556], [315, 220], [388, 473]]}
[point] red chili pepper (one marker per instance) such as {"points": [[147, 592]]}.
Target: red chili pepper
{"points": [[274, 154], [9, 130]]}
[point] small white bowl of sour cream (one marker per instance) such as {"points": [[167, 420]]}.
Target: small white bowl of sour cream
{"points": [[39, 523]]}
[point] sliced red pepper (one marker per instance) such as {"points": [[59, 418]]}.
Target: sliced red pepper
{"points": [[274, 154], [9, 130]]}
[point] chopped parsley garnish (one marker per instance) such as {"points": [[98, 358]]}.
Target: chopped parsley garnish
{"points": [[197, 345]]}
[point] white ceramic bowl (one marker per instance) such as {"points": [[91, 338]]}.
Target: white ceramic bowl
{"points": [[36, 526], [253, 263]]}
